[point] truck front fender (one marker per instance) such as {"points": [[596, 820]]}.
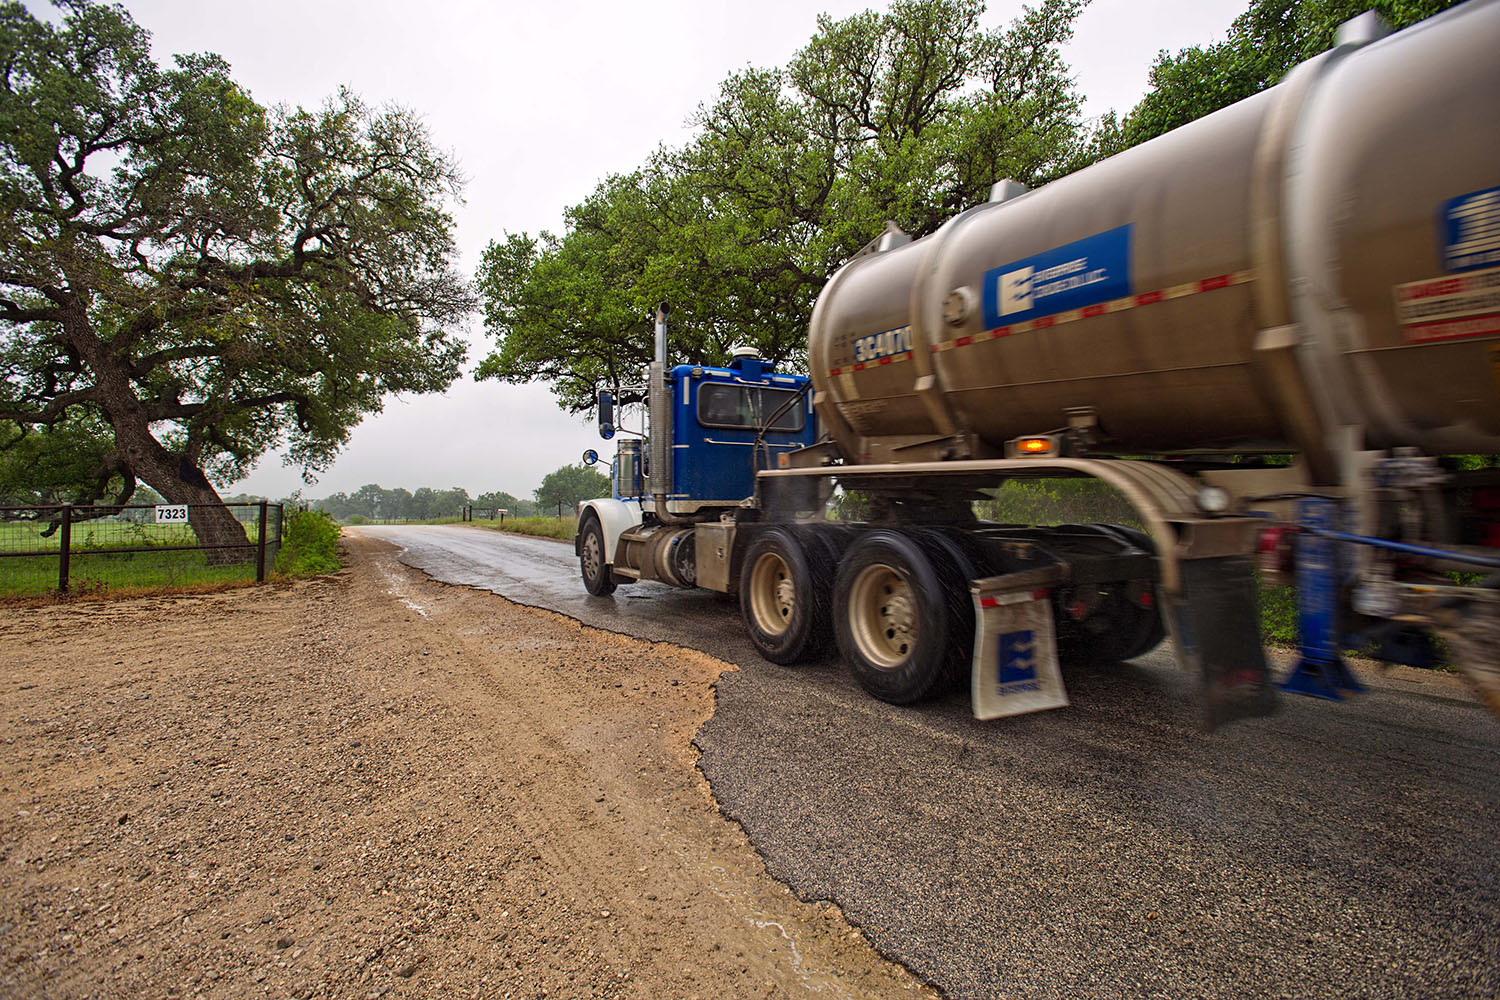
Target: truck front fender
{"points": [[615, 518]]}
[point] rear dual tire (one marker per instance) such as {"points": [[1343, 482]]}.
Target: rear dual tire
{"points": [[1128, 621], [784, 588], [892, 618]]}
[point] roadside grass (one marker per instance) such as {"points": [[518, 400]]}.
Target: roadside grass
{"points": [[543, 527], [26, 536], [1278, 614], [29, 560]]}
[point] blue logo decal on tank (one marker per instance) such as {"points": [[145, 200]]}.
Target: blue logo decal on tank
{"points": [[1471, 230], [1083, 273]]}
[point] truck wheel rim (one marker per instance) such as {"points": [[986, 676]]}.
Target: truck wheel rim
{"points": [[593, 561], [772, 594], [882, 617]]}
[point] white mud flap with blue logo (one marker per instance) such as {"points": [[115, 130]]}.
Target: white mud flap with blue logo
{"points": [[1015, 656]]}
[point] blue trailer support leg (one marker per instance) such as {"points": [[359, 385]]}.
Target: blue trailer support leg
{"points": [[1321, 671]]}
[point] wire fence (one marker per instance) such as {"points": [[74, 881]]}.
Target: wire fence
{"points": [[75, 549]]}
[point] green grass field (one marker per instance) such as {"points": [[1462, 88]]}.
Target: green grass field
{"points": [[35, 576], [29, 561], [35, 572], [26, 536]]}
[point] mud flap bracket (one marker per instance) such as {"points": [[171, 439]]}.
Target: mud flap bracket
{"points": [[1216, 630]]}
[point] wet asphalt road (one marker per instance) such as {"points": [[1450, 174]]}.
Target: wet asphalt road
{"points": [[1109, 849]]}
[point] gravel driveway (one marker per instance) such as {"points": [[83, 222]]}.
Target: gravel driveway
{"points": [[374, 785]]}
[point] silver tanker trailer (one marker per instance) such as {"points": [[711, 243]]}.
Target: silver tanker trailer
{"points": [[1313, 272]]}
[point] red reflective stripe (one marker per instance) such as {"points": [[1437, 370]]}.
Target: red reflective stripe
{"points": [[836, 371], [994, 602], [1143, 299], [859, 366]]}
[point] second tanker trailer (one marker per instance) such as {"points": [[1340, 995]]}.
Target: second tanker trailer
{"points": [[1314, 271]]}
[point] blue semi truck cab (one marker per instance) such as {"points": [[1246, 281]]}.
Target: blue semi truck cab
{"points": [[726, 423], [690, 473]]}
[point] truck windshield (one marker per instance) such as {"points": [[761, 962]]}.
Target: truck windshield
{"points": [[747, 407]]}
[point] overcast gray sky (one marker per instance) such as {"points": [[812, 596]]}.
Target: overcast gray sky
{"points": [[540, 101]]}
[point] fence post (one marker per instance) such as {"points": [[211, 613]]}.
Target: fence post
{"points": [[260, 548], [65, 548]]}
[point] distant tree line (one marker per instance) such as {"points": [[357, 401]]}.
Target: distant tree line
{"points": [[560, 490]]}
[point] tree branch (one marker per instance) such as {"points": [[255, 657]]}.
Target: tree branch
{"points": [[173, 410]]}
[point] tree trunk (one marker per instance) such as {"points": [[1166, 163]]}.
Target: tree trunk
{"points": [[178, 480], [181, 482]]}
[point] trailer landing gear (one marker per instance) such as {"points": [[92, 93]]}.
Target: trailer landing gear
{"points": [[1320, 671]]}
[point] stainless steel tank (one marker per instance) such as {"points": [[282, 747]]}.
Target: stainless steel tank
{"points": [[1349, 216]]}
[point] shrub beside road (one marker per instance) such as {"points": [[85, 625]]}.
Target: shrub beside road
{"points": [[310, 545]]}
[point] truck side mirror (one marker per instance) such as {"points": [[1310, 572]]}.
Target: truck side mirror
{"points": [[590, 457], [606, 414]]}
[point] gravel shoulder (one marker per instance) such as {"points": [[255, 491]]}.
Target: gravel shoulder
{"points": [[370, 785]]}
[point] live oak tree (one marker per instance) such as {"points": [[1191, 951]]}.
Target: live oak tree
{"points": [[907, 115], [567, 487], [200, 279], [59, 464]]}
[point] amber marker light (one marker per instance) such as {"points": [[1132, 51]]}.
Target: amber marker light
{"points": [[1034, 446]]}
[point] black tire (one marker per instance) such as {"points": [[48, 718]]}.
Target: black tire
{"points": [[892, 618], [1127, 622], [784, 597], [592, 563], [955, 567], [1147, 603]]}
